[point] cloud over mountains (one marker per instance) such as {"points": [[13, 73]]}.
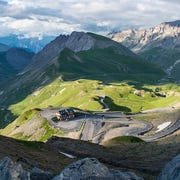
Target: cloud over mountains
{"points": [[38, 17]]}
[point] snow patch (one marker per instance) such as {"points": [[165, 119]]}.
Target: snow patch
{"points": [[169, 70], [67, 155], [163, 126]]}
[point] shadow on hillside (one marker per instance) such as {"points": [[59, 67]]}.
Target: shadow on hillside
{"points": [[114, 107]]}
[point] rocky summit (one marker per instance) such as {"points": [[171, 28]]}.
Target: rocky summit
{"points": [[164, 35], [171, 170], [76, 41]]}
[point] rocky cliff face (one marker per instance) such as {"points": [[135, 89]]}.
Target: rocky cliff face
{"points": [[166, 36]]}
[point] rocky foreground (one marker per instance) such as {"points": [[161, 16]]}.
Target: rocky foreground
{"points": [[88, 168]]}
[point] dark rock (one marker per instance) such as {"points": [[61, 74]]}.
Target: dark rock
{"points": [[171, 171], [12, 171], [91, 168], [125, 175], [38, 174]]}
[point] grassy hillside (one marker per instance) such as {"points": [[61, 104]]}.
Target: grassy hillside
{"points": [[106, 65], [83, 94], [30, 126], [78, 80], [164, 58]]}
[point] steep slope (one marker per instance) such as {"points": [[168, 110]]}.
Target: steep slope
{"points": [[77, 41], [6, 70], [33, 154], [80, 55], [30, 126], [18, 58], [13, 61], [160, 44]]}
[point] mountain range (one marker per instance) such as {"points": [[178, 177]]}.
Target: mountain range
{"points": [[33, 44], [77, 56], [91, 74], [159, 44]]}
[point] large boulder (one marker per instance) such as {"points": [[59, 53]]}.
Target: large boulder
{"points": [[12, 171], [171, 171], [91, 168], [38, 174]]}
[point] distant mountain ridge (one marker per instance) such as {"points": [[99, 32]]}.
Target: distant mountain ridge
{"points": [[34, 44], [159, 44], [166, 35]]}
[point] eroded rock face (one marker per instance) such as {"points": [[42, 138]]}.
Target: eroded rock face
{"points": [[164, 35], [91, 168], [171, 171], [12, 171], [88, 168]]}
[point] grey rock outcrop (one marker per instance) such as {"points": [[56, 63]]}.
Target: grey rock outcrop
{"points": [[38, 174], [91, 168], [164, 35], [12, 171], [171, 171]]}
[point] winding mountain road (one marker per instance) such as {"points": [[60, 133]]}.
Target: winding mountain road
{"points": [[163, 133], [124, 125]]}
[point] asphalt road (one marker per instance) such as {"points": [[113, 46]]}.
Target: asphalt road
{"points": [[94, 131], [164, 132]]}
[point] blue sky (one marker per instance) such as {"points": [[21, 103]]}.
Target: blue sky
{"points": [[48, 17]]}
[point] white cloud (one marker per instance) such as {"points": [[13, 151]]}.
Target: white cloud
{"points": [[63, 16]]}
